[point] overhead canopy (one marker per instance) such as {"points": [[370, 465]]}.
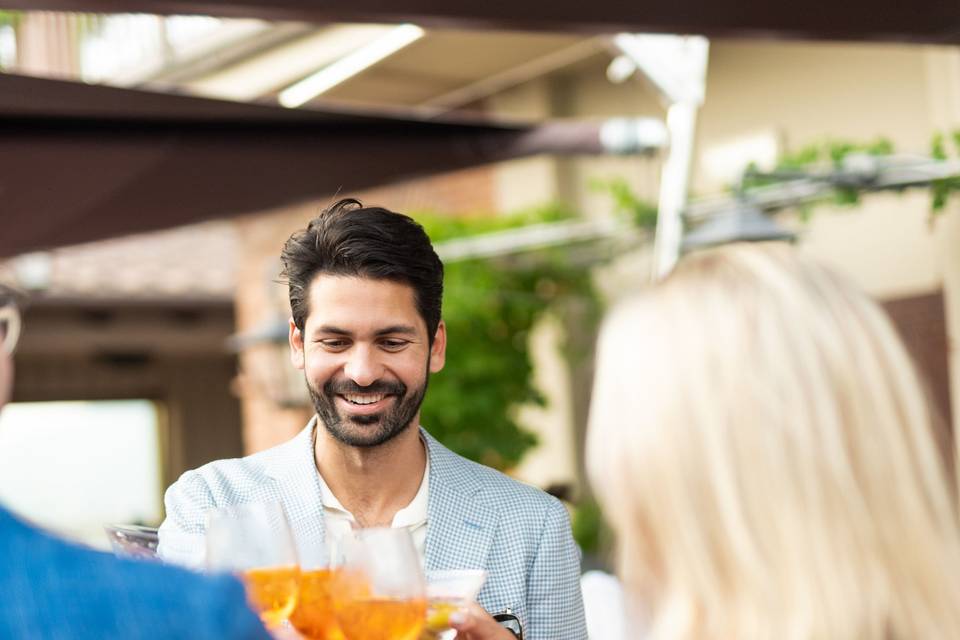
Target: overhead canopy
{"points": [[81, 162], [891, 20]]}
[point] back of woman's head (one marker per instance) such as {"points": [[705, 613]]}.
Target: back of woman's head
{"points": [[764, 450]]}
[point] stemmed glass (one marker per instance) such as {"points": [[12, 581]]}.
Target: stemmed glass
{"points": [[448, 591], [254, 542], [313, 616], [379, 592], [133, 541]]}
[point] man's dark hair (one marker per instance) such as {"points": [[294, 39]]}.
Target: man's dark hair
{"points": [[348, 239]]}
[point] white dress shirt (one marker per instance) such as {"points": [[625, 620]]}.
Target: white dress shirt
{"points": [[339, 522]]}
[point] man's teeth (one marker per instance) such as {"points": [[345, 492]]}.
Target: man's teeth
{"points": [[356, 398]]}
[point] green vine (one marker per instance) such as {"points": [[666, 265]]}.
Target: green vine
{"points": [[626, 203], [942, 190], [832, 153], [828, 154], [490, 307]]}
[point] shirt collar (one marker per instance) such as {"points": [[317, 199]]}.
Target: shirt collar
{"points": [[415, 513], [412, 515]]}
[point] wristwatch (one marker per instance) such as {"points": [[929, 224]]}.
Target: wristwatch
{"points": [[511, 623]]}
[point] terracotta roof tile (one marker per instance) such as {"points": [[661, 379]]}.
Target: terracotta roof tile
{"points": [[187, 262]]}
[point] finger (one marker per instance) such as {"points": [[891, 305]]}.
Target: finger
{"points": [[463, 620], [472, 621]]}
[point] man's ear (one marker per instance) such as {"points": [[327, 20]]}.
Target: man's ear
{"points": [[438, 352], [295, 338]]}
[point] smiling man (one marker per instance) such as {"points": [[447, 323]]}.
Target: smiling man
{"points": [[365, 293]]}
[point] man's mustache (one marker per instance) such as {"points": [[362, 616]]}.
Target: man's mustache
{"points": [[340, 387]]}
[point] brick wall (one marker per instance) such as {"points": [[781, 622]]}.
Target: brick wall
{"points": [[921, 322]]}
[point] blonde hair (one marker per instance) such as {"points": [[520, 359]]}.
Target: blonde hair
{"points": [[764, 450]]}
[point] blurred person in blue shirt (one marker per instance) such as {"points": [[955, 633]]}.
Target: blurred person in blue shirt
{"points": [[50, 588]]}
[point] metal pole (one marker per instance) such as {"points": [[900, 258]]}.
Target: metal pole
{"points": [[674, 185], [677, 67]]}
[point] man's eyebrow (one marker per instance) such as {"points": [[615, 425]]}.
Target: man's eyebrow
{"points": [[405, 329], [327, 328]]}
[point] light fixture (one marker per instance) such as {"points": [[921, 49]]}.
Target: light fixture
{"points": [[624, 136], [743, 221], [620, 69], [350, 65], [33, 271], [264, 356]]}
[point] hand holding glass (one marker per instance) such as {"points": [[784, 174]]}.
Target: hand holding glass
{"points": [[448, 591]]}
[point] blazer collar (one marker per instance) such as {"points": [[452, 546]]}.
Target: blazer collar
{"points": [[292, 465], [460, 527]]}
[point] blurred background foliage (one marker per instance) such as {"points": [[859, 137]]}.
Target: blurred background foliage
{"points": [[10, 18], [592, 533], [626, 203], [490, 307]]}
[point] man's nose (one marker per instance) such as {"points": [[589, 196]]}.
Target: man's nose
{"points": [[363, 366]]}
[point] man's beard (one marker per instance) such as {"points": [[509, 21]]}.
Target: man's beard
{"points": [[379, 427]]}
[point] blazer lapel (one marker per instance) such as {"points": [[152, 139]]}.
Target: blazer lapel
{"points": [[295, 472], [460, 529]]}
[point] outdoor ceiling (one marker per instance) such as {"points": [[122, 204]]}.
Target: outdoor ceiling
{"points": [[127, 160], [441, 69], [259, 65], [444, 70], [133, 161], [81, 162], [935, 21]]}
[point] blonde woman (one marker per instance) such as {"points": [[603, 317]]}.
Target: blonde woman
{"points": [[764, 451]]}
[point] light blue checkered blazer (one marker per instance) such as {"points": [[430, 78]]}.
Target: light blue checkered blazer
{"points": [[477, 518]]}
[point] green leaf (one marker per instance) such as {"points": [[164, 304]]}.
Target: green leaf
{"points": [[938, 149], [639, 212]]}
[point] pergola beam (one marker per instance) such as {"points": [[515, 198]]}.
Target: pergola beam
{"points": [[930, 21]]}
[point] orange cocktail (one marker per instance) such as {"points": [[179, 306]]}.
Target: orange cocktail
{"points": [[272, 591], [314, 616], [382, 619], [379, 592]]}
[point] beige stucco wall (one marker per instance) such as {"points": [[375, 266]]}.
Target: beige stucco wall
{"points": [[795, 94], [554, 459], [763, 99], [800, 93]]}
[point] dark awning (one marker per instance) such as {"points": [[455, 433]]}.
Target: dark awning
{"points": [[81, 162], [891, 20]]}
